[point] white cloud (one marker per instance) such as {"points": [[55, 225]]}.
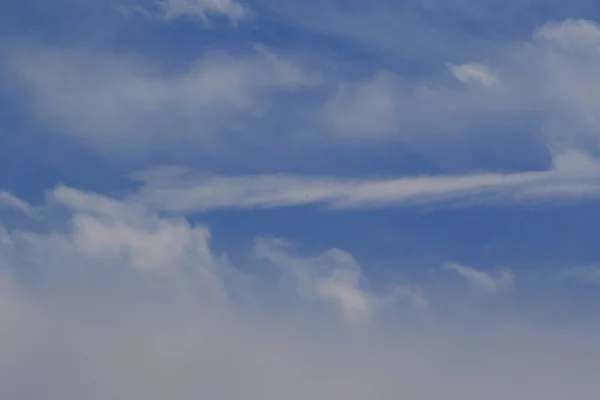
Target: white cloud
{"points": [[551, 81], [388, 106], [82, 316], [365, 109], [570, 34], [127, 104], [202, 9], [334, 276], [478, 73], [111, 298], [8, 200], [483, 281], [574, 178]]}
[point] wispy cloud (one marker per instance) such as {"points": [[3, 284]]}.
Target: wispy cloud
{"points": [[550, 80], [10, 201], [170, 10], [589, 273], [574, 178], [203, 9], [483, 281], [333, 276], [410, 29], [128, 104]]}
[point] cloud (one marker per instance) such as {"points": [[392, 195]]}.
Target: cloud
{"points": [[106, 229], [414, 30], [125, 296], [569, 34], [424, 32], [388, 106], [574, 178], [365, 109], [9, 201], [548, 81], [589, 274], [478, 73], [170, 10], [115, 301], [126, 104], [483, 281], [202, 9], [541, 89], [333, 276]]}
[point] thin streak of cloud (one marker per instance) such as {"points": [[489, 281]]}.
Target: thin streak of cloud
{"points": [[203, 9], [589, 274], [10, 201], [574, 178], [483, 281]]}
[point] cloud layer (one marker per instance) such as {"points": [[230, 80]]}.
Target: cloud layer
{"points": [[119, 302], [542, 88]]}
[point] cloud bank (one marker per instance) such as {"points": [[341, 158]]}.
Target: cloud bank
{"points": [[120, 302]]}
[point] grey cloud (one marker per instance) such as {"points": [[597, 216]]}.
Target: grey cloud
{"points": [[126, 304]]}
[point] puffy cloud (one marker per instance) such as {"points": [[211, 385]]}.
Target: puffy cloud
{"points": [[86, 310], [569, 34], [334, 276]]}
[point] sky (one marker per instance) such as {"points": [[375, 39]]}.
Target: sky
{"points": [[266, 199]]}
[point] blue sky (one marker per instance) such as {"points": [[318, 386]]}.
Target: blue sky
{"points": [[280, 199]]}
